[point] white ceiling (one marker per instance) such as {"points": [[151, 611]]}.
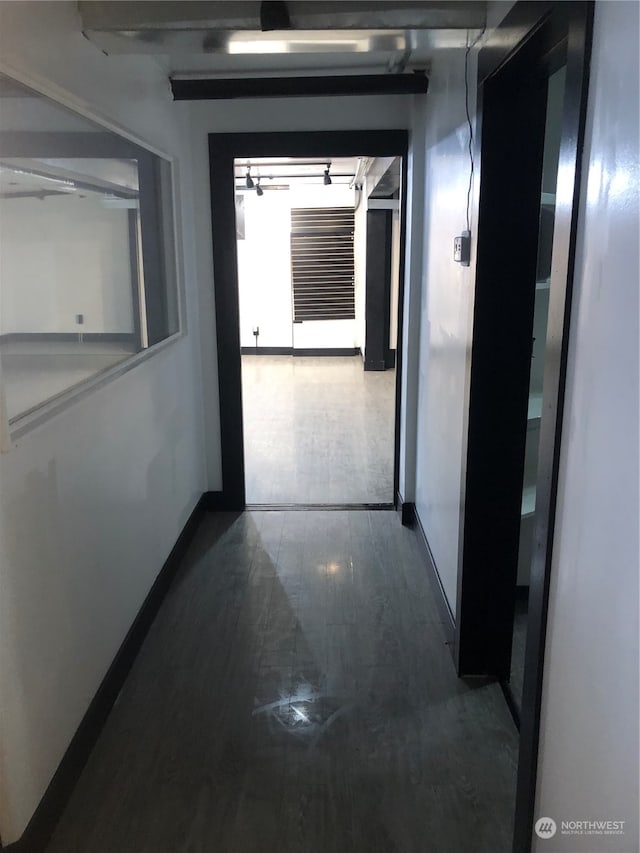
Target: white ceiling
{"points": [[288, 171], [423, 46]]}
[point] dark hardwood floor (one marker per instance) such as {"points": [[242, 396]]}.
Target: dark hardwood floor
{"points": [[295, 694]]}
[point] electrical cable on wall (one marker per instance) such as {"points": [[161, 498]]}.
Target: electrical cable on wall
{"points": [[468, 50]]}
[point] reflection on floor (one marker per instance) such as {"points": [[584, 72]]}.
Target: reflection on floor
{"points": [[518, 645], [34, 373], [317, 430], [295, 695]]}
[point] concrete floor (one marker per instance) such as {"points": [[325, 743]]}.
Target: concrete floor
{"points": [[295, 695], [317, 430]]}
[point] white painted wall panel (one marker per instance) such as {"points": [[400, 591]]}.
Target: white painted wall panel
{"points": [[412, 297], [323, 334], [60, 257], [264, 271], [588, 766], [446, 315], [91, 501]]}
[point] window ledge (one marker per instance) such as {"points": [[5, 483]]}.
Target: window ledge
{"points": [[22, 424]]}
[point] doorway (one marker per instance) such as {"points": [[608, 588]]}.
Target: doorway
{"points": [[299, 469], [531, 107], [318, 291]]}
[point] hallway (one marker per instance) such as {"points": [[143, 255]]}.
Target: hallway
{"points": [[295, 694]]}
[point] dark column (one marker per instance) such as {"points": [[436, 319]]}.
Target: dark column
{"points": [[378, 290]]}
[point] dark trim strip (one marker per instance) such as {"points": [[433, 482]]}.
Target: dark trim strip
{"points": [[223, 149], [332, 351], [298, 87], [446, 616], [579, 40], [512, 109], [215, 502], [322, 507], [303, 352], [41, 826], [521, 23], [407, 510], [68, 337], [266, 350]]}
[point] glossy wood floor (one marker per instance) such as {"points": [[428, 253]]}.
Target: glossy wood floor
{"points": [[317, 430], [295, 695]]}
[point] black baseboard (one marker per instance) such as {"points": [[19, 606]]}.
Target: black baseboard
{"points": [[446, 616], [41, 826], [266, 350], [407, 511], [216, 502], [370, 364], [333, 351], [303, 351], [361, 507], [67, 337]]}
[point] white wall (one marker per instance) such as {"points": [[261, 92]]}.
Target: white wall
{"points": [[91, 501], [273, 114], [264, 271], [446, 317], [412, 300], [588, 765], [62, 256]]}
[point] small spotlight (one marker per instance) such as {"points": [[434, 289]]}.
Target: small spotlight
{"points": [[249, 180], [259, 190], [327, 176]]}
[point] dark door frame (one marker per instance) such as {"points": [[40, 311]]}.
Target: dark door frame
{"points": [[223, 149], [499, 361]]}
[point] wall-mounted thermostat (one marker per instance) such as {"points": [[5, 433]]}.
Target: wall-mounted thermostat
{"points": [[462, 248]]}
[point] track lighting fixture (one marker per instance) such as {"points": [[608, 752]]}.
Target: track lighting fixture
{"points": [[259, 190], [327, 176], [249, 179]]}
